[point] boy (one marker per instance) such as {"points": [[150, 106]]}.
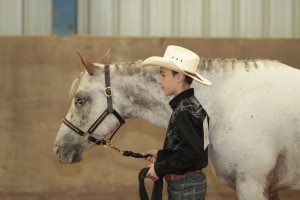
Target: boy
{"points": [[183, 155]]}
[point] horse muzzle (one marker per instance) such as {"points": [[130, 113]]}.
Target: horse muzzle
{"points": [[67, 155]]}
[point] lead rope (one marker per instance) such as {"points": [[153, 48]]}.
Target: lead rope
{"points": [[158, 185], [156, 190]]}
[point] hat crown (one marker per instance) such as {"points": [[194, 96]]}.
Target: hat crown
{"points": [[185, 59]]}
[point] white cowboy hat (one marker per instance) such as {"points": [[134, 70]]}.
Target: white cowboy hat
{"points": [[180, 60]]}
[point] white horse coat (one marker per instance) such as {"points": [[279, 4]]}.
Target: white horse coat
{"points": [[254, 107]]}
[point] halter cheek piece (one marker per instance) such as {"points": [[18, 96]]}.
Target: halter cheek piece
{"points": [[110, 110]]}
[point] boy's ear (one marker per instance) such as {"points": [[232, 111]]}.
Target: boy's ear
{"points": [[180, 77]]}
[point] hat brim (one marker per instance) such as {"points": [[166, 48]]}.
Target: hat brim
{"points": [[162, 62]]}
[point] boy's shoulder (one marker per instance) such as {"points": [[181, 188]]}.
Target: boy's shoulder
{"points": [[190, 104]]}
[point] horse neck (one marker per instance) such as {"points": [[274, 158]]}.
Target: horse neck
{"points": [[139, 95], [215, 70], [228, 76]]}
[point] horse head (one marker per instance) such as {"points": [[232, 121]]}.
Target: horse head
{"points": [[89, 99]]}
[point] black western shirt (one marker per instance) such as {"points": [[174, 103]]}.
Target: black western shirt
{"points": [[183, 148]]}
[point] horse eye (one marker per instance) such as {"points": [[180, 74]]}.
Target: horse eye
{"points": [[80, 101]]}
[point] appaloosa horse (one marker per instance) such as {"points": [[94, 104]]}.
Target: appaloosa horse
{"points": [[254, 106]]}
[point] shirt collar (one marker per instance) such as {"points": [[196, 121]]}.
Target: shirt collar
{"points": [[185, 94]]}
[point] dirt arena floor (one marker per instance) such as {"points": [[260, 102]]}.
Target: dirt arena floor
{"points": [[36, 74]]}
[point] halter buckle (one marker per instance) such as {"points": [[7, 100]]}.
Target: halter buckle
{"points": [[108, 92]]}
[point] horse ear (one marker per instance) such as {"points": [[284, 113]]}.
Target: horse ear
{"points": [[90, 67], [106, 59]]}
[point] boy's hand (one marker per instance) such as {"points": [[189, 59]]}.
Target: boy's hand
{"points": [[151, 173], [153, 156]]}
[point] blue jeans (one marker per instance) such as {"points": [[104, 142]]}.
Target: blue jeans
{"points": [[191, 187]]}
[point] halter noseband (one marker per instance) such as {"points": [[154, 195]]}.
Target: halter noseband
{"points": [[110, 110]]}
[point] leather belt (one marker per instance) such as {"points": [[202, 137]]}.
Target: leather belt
{"points": [[172, 177]]}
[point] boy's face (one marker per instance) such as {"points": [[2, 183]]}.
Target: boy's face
{"points": [[168, 82]]}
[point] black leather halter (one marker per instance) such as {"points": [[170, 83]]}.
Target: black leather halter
{"points": [[110, 110]]}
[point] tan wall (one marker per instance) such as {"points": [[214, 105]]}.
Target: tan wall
{"points": [[36, 73]]}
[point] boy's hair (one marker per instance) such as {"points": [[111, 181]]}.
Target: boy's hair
{"points": [[187, 79]]}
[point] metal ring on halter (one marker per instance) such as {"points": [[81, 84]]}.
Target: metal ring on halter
{"points": [[85, 135], [108, 92]]}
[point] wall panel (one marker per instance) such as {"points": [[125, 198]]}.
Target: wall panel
{"points": [[251, 24], [281, 18], [221, 15], [83, 16], [11, 17], [191, 18], [160, 18], [130, 17], [178, 18], [296, 19], [102, 16], [37, 17]]}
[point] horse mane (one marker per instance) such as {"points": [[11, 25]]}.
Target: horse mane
{"points": [[207, 64], [130, 68]]}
